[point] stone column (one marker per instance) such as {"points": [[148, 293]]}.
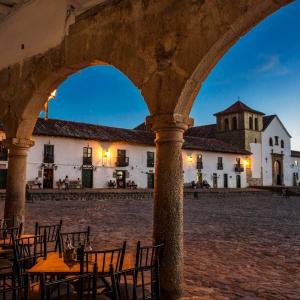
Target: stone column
{"points": [[168, 199], [16, 178]]}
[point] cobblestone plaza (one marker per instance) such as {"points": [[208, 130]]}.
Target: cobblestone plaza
{"points": [[236, 247]]}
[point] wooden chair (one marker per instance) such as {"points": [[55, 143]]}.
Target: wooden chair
{"points": [[13, 287], [8, 222], [27, 250], [8, 234], [104, 258], [125, 284], [52, 234], [148, 261], [64, 288], [146, 256], [77, 238]]}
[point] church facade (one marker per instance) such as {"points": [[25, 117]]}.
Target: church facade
{"points": [[244, 148]]}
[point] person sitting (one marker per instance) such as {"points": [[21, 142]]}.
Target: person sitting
{"points": [[129, 184], [205, 184], [67, 183], [38, 182], [111, 184], [193, 184], [133, 185]]}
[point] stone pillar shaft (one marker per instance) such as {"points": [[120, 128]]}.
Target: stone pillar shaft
{"points": [[168, 202], [16, 179]]}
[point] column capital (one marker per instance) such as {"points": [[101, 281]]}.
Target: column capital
{"points": [[168, 121], [18, 143], [169, 127]]}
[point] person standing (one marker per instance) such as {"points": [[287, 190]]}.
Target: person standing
{"points": [[67, 183]]}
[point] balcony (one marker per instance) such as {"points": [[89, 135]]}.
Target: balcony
{"points": [[238, 168], [220, 166], [48, 159], [199, 165], [122, 162], [150, 163], [87, 161]]}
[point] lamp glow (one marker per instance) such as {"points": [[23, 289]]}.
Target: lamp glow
{"points": [[52, 95]]}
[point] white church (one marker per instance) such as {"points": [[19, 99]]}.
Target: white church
{"points": [[244, 148]]}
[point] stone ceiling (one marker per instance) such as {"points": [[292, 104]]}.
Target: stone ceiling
{"points": [[8, 6]]}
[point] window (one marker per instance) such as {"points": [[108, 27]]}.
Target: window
{"points": [[226, 124], [250, 123], [238, 167], [256, 124], [255, 141], [199, 162], [150, 159], [220, 163], [282, 143], [234, 123], [122, 160], [276, 140], [3, 153], [270, 142], [87, 156], [49, 154]]}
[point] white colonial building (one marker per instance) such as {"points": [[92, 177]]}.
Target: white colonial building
{"points": [[244, 148]]}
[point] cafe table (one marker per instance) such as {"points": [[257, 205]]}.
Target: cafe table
{"points": [[54, 264]]}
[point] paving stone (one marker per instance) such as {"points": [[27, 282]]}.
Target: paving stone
{"points": [[236, 247]]}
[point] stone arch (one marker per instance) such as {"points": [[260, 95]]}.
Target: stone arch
{"points": [[149, 42], [26, 86], [248, 19]]}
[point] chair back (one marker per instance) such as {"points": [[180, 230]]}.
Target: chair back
{"points": [[147, 256], [131, 285], [123, 284], [8, 234], [27, 250], [52, 233], [64, 288], [9, 222], [77, 238], [105, 258], [14, 287]]}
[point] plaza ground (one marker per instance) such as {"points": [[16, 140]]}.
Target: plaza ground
{"points": [[236, 246]]}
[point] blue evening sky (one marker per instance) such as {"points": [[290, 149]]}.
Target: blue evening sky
{"points": [[263, 69]]}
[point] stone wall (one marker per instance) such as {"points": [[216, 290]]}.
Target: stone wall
{"points": [[140, 194]]}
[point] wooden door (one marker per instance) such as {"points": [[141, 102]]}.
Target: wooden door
{"points": [[48, 179], [150, 177], [87, 178]]}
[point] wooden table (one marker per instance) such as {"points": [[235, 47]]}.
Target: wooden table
{"points": [[54, 264]]}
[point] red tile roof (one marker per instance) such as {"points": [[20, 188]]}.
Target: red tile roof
{"points": [[238, 107], [206, 131], [69, 129], [60, 128]]}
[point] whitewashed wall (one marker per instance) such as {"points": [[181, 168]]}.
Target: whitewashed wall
{"points": [[256, 159], [275, 129], [295, 163], [210, 160], [68, 158]]}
